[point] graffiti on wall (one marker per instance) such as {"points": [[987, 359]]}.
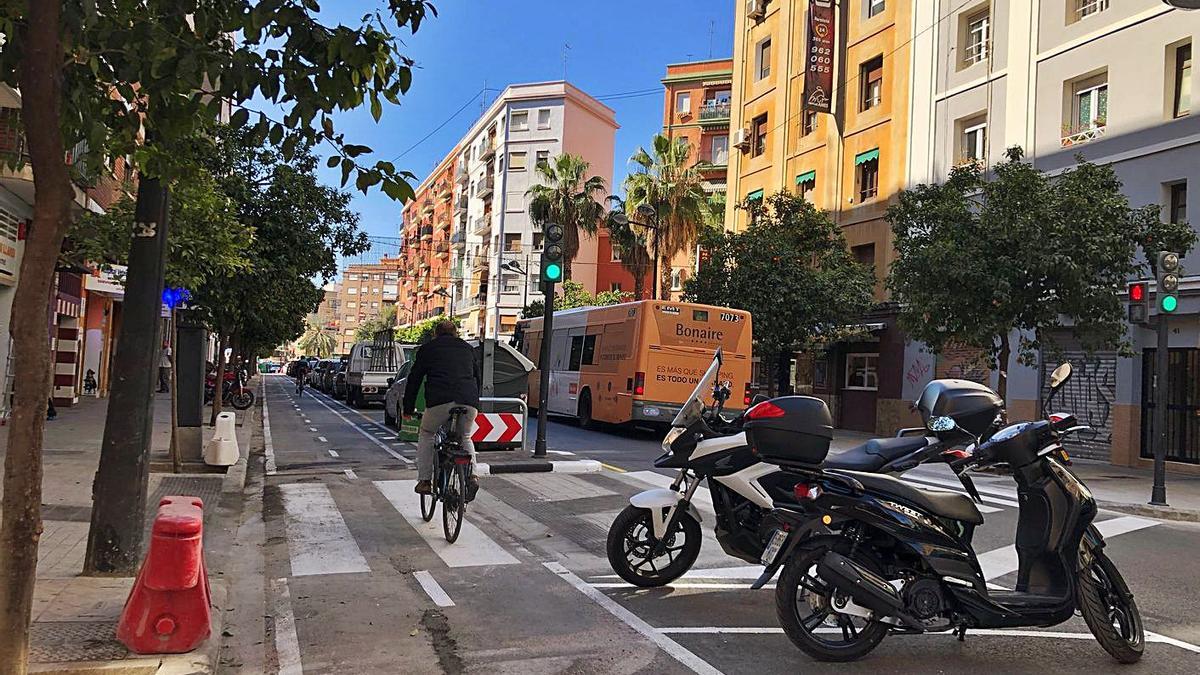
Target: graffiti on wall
{"points": [[1090, 395]]}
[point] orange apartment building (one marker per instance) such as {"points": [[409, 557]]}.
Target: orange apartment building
{"points": [[366, 289], [696, 105], [851, 163], [430, 221]]}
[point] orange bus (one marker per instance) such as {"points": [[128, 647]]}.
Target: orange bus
{"points": [[637, 361]]}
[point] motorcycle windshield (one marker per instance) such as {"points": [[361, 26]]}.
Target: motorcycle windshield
{"points": [[693, 408]]}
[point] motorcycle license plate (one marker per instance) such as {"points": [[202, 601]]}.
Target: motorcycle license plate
{"points": [[772, 549]]}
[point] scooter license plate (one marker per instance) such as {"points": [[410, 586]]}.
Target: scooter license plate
{"points": [[773, 546]]}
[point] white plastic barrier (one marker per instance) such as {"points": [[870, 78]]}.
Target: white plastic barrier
{"points": [[222, 448]]}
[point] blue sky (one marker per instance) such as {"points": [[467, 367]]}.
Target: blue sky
{"points": [[615, 46]]}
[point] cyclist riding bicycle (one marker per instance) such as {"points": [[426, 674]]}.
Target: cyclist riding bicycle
{"points": [[447, 366], [301, 374]]}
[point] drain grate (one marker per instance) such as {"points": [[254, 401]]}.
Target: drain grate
{"points": [[74, 641]]}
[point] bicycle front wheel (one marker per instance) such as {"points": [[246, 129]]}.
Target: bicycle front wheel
{"points": [[454, 502]]}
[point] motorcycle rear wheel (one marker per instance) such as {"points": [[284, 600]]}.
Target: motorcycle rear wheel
{"points": [[1111, 614], [631, 536], [242, 400]]}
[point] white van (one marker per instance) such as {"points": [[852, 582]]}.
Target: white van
{"points": [[368, 371]]}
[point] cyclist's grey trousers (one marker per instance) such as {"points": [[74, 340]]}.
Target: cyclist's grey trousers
{"points": [[431, 420]]}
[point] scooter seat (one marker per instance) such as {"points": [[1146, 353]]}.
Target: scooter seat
{"points": [[950, 505], [875, 453]]}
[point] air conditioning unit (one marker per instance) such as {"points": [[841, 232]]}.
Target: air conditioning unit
{"points": [[756, 9], [741, 138]]}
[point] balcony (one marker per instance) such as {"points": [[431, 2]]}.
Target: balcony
{"points": [[443, 250], [489, 149], [481, 260], [460, 205], [426, 232], [481, 225], [714, 113], [460, 173], [487, 186], [1073, 136], [459, 238], [427, 209]]}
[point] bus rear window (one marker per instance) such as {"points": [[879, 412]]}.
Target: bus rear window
{"points": [[699, 315]]}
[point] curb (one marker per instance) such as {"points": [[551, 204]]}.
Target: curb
{"points": [[538, 466], [1150, 511]]}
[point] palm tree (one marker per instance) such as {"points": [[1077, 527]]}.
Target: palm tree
{"points": [[666, 179], [635, 256], [316, 340], [567, 196]]}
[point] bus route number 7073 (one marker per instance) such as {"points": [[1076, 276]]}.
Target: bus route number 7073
{"points": [[729, 316]]}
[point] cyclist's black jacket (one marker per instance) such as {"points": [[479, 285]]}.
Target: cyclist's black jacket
{"points": [[447, 366]]}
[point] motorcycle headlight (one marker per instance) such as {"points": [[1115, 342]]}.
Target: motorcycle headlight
{"points": [[673, 434]]}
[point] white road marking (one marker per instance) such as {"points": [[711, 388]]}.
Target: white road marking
{"points": [[287, 644], [1001, 561], [308, 421], [433, 589], [473, 547], [334, 453], [322, 439], [362, 431], [983, 508], [671, 647], [683, 586], [350, 474], [318, 540], [268, 445], [559, 452], [312, 428]]}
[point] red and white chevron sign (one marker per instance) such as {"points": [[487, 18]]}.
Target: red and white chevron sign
{"points": [[496, 427]]}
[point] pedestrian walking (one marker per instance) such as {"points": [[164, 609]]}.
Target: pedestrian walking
{"points": [[164, 369]]}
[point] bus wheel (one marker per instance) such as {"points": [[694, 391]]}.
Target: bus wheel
{"points": [[585, 410]]}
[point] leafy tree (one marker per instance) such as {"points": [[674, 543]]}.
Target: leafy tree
{"points": [[574, 295], [568, 196], [669, 181], [635, 254], [366, 330], [422, 332], [316, 340], [981, 257], [792, 271]]}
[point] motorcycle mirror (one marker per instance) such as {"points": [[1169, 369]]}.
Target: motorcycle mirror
{"points": [[391, 380], [1060, 375], [942, 424]]}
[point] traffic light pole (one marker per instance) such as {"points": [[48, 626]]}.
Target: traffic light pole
{"points": [[1158, 494], [539, 447]]}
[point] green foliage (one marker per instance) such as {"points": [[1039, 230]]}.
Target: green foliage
{"points": [[366, 330], [567, 196], [317, 341], [981, 256], [573, 295], [422, 332], [631, 241], [175, 65], [791, 270]]}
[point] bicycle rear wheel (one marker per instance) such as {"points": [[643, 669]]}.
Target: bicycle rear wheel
{"points": [[454, 502]]}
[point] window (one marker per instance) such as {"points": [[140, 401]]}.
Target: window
{"points": [[543, 118], [616, 253], [1086, 8], [374, 305], [974, 142], [864, 254], [862, 371], [351, 276], [614, 286], [978, 33], [677, 279], [537, 241], [542, 156], [509, 283], [874, 8], [1178, 206], [762, 59], [351, 318], [805, 184], [1183, 80], [512, 243], [809, 123], [719, 150], [353, 290], [589, 350], [683, 102], [351, 305], [1091, 107], [870, 74], [759, 142], [576, 357], [517, 160], [519, 120], [867, 172]]}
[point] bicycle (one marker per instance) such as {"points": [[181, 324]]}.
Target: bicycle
{"points": [[451, 477], [300, 385]]}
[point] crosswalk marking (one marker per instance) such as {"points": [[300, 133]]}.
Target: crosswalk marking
{"points": [[433, 589], [318, 540], [929, 483], [1001, 561], [473, 548]]}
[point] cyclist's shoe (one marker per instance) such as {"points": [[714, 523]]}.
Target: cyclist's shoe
{"points": [[472, 488], [423, 487]]}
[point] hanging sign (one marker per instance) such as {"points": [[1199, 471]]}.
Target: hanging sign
{"points": [[818, 69]]}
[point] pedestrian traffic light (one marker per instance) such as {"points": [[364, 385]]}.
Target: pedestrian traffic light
{"points": [[1139, 302], [552, 254], [1168, 282]]}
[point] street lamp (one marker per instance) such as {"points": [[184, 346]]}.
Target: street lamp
{"points": [[446, 294], [514, 266], [647, 213]]}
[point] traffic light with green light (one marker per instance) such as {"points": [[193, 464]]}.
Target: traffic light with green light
{"points": [[1168, 282], [552, 254]]}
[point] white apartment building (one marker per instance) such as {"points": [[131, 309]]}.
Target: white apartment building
{"points": [[1111, 80], [526, 124]]}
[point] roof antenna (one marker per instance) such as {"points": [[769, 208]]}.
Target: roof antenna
{"points": [[565, 48], [712, 24]]}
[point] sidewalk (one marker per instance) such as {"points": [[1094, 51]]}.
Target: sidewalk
{"points": [[1117, 488], [74, 617]]}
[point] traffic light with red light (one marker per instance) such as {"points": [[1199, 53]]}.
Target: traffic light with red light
{"points": [[1139, 302]]}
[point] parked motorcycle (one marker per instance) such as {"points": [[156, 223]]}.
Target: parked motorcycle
{"points": [[656, 539], [897, 559], [233, 388]]}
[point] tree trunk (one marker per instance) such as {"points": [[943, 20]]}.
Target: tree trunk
{"points": [[664, 278], [1002, 368], [20, 526], [783, 372], [219, 387]]}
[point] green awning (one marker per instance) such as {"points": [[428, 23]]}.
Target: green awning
{"points": [[806, 177], [757, 194], [866, 156]]}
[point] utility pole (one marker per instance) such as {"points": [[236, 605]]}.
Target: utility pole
{"points": [[539, 446], [119, 490], [1167, 300]]}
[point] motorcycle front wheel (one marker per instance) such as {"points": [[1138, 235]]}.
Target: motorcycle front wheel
{"points": [[1111, 614], [242, 400], [631, 548]]}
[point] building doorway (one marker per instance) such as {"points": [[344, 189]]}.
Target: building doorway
{"points": [[1183, 405]]}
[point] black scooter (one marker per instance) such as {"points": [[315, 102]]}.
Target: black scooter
{"points": [[899, 559]]}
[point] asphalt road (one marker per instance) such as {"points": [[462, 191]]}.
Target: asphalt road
{"points": [[356, 583]]}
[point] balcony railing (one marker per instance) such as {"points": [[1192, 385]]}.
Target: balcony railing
{"points": [[1089, 7], [714, 111], [1083, 134], [426, 232], [481, 225], [487, 186], [489, 148], [427, 208], [460, 205], [458, 238]]}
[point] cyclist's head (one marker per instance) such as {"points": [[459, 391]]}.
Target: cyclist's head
{"points": [[446, 327]]}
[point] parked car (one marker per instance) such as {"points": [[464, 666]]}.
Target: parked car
{"points": [[339, 379], [328, 375], [394, 399], [317, 373], [368, 372]]}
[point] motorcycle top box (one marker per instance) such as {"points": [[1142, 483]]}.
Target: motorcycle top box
{"points": [[973, 406], [792, 430]]}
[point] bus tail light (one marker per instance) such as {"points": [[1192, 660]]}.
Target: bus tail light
{"points": [[746, 397], [639, 384]]}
